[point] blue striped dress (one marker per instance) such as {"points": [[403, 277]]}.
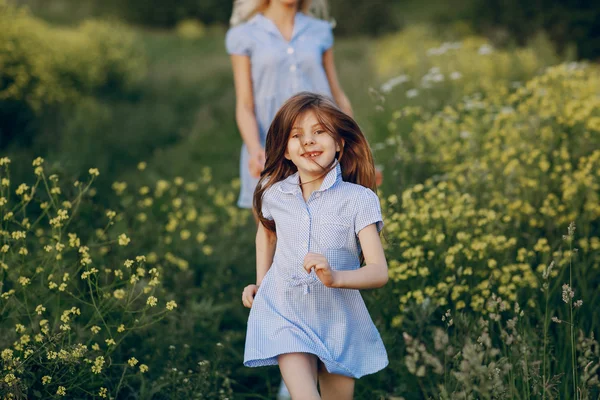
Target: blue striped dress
{"points": [[292, 310]]}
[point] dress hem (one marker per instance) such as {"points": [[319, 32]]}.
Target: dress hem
{"points": [[272, 360]]}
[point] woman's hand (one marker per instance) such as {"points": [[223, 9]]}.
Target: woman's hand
{"points": [[256, 163], [378, 177], [248, 295], [321, 265]]}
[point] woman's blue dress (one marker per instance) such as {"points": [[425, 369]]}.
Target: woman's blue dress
{"points": [[280, 69]]}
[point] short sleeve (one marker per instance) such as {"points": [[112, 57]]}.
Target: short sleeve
{"points": [[368, 211], [327, 41], [237, 41], [265, 208]]}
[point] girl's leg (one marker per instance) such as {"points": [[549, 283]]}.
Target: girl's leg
{"points": [[334, 386], [299, 371]]}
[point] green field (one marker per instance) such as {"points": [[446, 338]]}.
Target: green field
{"points": [[489, 154]]}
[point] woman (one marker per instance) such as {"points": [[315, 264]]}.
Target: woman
{"points": [[277, 50]]}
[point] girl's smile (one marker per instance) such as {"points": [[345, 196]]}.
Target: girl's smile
{"points": [[312, 154]]}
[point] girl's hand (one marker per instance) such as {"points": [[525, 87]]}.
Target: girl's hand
{"points": [[248, 295], [256, 163], [321, 265]]}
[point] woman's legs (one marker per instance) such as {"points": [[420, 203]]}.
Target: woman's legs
{"points": [[334, 386], [299, 371]]}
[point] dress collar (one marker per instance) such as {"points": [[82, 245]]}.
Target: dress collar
{"points": [[291, 184], [300, 23]]}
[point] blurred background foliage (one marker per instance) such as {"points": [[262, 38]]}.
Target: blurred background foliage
{"points": [[566, 22], [488, 148]]}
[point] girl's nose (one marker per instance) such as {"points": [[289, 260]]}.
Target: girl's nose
{"points": [[308, 139]]}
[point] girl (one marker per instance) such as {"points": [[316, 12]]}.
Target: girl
{"points": [[319, 219], [276, 50]]}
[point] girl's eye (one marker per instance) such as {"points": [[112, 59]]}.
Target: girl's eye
{"points": [[319, 132]]}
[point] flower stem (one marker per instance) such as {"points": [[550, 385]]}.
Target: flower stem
{"points": [[120, 382], [573, 350], [545, 339]]}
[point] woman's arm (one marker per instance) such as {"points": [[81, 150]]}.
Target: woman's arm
{"points": [[244, 112], [375, 273], [336, 90], [266, 242], [339, 96]]}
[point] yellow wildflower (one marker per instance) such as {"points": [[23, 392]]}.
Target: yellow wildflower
{"points": [[21, 189], [152, 301], [123, 240], [24, 281], [98, 364]]}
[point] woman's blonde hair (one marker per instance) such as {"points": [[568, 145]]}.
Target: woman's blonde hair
{"points": [[243, 10]]}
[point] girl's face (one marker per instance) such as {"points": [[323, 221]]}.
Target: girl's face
{"points": [[310, 147]]}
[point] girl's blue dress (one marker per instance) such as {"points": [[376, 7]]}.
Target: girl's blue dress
{"points": [[293, 312], [280, 69]]}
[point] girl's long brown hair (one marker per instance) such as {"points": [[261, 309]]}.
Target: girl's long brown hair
{"points": [[355, 156]]}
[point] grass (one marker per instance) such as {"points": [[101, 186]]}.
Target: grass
{"points": [[182, 118]]}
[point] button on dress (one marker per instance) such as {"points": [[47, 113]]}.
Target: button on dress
{"points": [[280, 69], [292, 310]]}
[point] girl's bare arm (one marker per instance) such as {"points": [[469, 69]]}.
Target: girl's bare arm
{"points": [[375, 273], [266, 242]]}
